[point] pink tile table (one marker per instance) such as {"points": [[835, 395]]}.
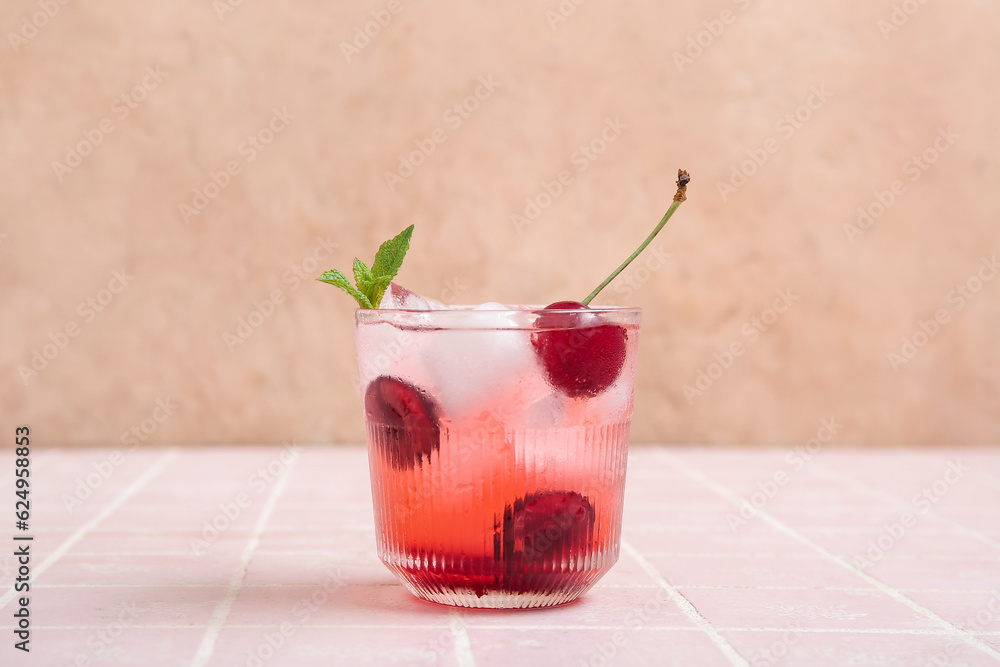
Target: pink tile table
{"points": [[252, 556]]}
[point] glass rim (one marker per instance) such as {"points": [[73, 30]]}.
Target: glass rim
{"points": [[528, 308], [468, 317]]}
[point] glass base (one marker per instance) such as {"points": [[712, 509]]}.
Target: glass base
{"points": [[522, 591], [496, 600]]}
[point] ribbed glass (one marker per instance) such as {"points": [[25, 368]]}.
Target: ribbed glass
{"points": [[468, 548], [477, 506]]}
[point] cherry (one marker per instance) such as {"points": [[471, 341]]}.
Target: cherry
{"points": [[543, 523], [405, 420], [579, 356]]}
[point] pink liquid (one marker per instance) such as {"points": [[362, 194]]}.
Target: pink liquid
{"points": [[519, 501]]}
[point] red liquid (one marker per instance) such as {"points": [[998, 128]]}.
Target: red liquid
{"points": [[497, 465], [479, 524]]}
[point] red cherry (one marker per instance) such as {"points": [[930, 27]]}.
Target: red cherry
{"points": [[540, 526], [535, 538], [579, 356], [405, 420]]}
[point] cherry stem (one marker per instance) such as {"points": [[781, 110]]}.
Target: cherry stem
{"points": [[682, 180]]}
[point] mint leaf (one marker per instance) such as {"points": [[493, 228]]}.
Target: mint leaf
{"points": [[363, 278], [369, 285], [338, 279], [390, 254], [379, 286], [372, 283]]}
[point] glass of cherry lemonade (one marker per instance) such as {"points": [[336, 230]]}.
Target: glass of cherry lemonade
{"points": [[497, 435], [497, 441]]}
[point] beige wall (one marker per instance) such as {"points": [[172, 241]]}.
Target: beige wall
{"points": [[319, 188]]}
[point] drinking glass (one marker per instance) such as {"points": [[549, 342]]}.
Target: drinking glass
{"points": [[497, 444]]}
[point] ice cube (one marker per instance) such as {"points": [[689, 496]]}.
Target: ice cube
{"points": [[547, 412], [398, 297], [481, 366]]}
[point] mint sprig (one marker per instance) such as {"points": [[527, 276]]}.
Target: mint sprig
{"points": [[372, 283]]}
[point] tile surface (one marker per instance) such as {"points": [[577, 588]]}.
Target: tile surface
{"points": [[183, 557]]}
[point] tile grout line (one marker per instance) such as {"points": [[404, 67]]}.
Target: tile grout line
{"points": [[779, 525], [463, 644], [778, 556], [682, 587], [207, 646], [864, 487], [686, 607], [652, 554], [501, 628], [994, 481], [316, 530], [92, 523]]}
